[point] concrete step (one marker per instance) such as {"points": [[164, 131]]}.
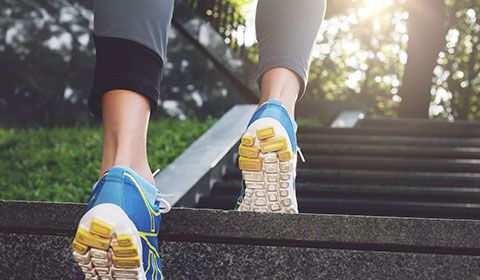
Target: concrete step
{"points": [[393, 164], [388, 140], [390, 151], [208, 244], [364, 206], [419, 193], [345, 176], [393, 131]]}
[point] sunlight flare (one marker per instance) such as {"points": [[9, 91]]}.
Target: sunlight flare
{"points": [[377, 5]]}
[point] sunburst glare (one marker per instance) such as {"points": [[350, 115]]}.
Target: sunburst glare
{"points": [[372, 7]]}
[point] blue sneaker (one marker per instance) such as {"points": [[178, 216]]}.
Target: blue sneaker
{"points": [[117, 237], [268, 157]]}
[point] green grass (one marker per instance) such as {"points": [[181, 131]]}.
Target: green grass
{"points": [[61, 164], [310, 122]]}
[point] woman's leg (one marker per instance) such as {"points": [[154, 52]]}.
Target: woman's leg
{"points": [[281, 84], [286, 34], [130, 40], [125, 124]]}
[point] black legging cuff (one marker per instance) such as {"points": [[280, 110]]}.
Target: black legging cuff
{"points": [[124, 64]]}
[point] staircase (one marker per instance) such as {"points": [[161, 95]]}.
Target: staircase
{"points": [[386, 199], [211, 244], [404, 168], [395, 199]]}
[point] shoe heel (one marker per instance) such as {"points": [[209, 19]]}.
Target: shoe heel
{"points": [[107, 248], [266, 171]]}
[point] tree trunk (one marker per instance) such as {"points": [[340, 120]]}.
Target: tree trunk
{"points": [[426, 30]]}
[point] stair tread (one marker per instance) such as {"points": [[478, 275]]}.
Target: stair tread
{"points": [[366, 207], [389, 140], [314, 189], [380, 177], [193, 224], [392, 163], [403, 151], [393, 131]]}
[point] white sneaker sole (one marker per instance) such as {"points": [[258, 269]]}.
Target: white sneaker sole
{"points": [[107, 245], [267, 167]]}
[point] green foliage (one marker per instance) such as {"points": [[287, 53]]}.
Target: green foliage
{"points": [[46, 61], [360, 55], [61, 164], [457, 76], [47, 65]]}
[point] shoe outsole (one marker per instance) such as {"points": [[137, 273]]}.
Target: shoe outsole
{"points": [[107, 245], [267, 168]]}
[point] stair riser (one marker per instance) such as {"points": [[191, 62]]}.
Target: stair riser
{"points": [[48, 257], [264, 262]]}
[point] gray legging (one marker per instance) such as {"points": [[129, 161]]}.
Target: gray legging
{"points": [[129, 33]]}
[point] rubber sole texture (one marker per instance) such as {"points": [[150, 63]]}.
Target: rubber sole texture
{"points": [[266, 164], [107, 245]]}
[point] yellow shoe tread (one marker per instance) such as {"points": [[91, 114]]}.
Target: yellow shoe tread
{"points": [[87, 238], [126, 262], [100, 257], [121, 251], [124, 240], [101, 228], [248, 140], [250, 152], [285, 155], [79, 248], [250, 164], [273, 145], [265, 133]]}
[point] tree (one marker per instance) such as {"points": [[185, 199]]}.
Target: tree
{"points": [[426, 26]]}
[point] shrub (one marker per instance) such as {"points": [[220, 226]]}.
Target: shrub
{"points": [[61, 164]]}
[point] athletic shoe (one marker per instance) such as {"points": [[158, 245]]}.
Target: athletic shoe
{"points": [[117, 236], [267, 158]]}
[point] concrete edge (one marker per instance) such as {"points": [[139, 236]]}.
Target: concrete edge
{"points": [[441, 236], [187, 170]]}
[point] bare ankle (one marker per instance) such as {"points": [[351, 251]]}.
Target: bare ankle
{"points": [[281, 84], [144, 171]]}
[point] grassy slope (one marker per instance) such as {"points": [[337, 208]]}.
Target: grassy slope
{"points": [[61, 164]]}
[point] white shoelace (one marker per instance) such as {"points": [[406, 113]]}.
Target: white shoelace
{"points": [[299, 151], [164, 205]]}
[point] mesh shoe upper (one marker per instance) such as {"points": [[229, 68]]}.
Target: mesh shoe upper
{"points": [[124, 187]]}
